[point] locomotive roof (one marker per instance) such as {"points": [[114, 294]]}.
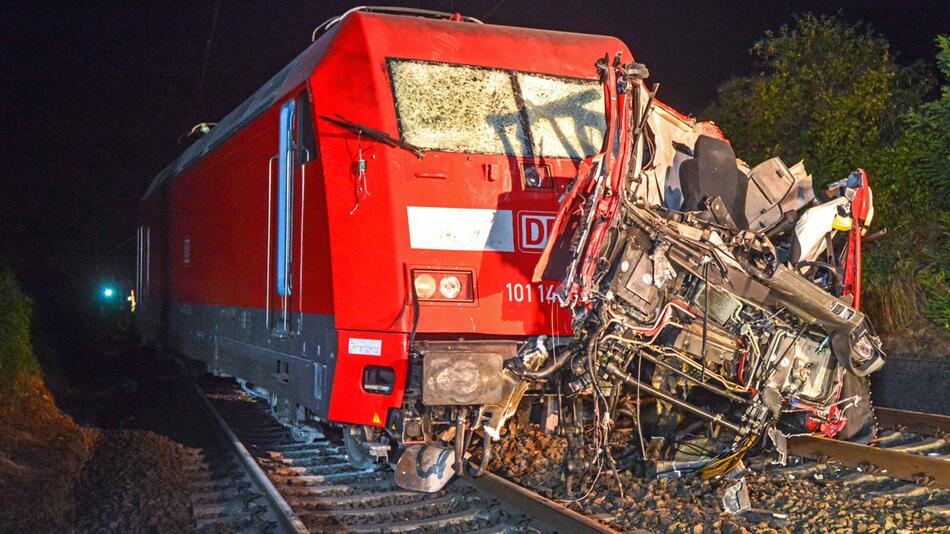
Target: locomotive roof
{"points": [[284, 81], [291, 76]]}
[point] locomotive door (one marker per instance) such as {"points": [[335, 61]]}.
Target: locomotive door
{"points": [[285, 235]]}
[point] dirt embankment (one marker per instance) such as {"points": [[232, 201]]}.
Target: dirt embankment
{"points": [[42, 455], [58, 476], [133, 483]]}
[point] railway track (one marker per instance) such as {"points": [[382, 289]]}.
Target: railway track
{"points": [[224, 496], [311, 487], [908, 463]]}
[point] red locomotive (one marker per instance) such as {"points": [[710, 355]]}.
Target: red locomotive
{"points": [[358, 239], [329, 221]]}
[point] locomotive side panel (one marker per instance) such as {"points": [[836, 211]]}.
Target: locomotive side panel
{"points": [[220, 269]]}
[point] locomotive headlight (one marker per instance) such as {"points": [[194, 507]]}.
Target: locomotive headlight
{"points": [[450, 286], [425, 285], [446, 286]]}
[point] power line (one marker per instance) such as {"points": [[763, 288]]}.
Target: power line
{"points": [[492, 10], [204, 66], [127, 241]]}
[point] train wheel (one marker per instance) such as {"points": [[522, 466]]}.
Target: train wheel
{"points": [[356, 438]]}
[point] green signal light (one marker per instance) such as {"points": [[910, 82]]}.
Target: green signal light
{"points": [[108, 292]]}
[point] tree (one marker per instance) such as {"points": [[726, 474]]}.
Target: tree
{"points": [[912, 197], [827, 92], [832, 94]]}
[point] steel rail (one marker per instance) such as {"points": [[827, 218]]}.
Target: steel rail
{"points": [[289, 522], [545, 512], [897, 464], [542, 509], [919, 422]]}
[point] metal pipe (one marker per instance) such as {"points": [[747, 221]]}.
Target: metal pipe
{"points": [[460, 442], [139, 257], [325, 25], [544, 372], [289, 226], [303, 199], [148, 259], [715, 419], [270, 206], [486, 456], [694, 380]]}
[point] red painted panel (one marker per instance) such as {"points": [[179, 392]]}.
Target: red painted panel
{"points": [[220, 207], [370, 246], [357, 254], [349, 402]]}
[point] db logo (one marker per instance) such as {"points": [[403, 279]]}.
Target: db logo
{"points": [[534, 227]]}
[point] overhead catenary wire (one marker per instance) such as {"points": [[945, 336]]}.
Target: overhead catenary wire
{"points": [[207, 56], [493, 8]]}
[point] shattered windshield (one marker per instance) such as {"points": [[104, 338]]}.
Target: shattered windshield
{"points": [[491, 111]]}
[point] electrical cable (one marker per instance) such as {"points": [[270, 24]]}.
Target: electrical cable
{"points": [[362, 187], [415, 314], [696, 447], [477, 471], [492, 10], [705, 315]]}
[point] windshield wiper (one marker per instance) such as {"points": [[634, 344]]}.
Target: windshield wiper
{"points": [[375, 135]]}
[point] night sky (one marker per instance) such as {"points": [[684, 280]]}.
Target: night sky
{"points": [[94, 96]]}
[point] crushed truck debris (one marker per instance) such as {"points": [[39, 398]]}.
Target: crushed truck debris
{"points": [[715, 305]]}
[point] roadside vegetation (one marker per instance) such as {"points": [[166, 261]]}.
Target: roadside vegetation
{"points": [[16, 353], [59, 475], [833, 94], [42, 451]]}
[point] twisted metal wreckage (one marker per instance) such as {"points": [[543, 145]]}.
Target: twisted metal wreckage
{"points": [[708, 312]]}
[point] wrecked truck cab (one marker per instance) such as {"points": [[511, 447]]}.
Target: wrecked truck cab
{"points": [[714, 302]]}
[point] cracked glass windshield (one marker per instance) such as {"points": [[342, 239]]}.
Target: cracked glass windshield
{"points": [[491, 111]]}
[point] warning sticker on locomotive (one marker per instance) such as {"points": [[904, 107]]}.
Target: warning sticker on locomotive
{"points": [[365, 347], [460, 229]]}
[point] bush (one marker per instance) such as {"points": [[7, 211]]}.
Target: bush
{"points": [[912, 199], [826, 92], [16, 352]]}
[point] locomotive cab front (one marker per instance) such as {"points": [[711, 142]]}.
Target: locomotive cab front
{"points": [[484, 134]]}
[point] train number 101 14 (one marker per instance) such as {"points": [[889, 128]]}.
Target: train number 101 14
{"points": [[540, 292]]}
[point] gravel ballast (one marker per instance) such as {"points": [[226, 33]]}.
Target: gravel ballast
{"points": [[689, 505], [133, 483]]}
